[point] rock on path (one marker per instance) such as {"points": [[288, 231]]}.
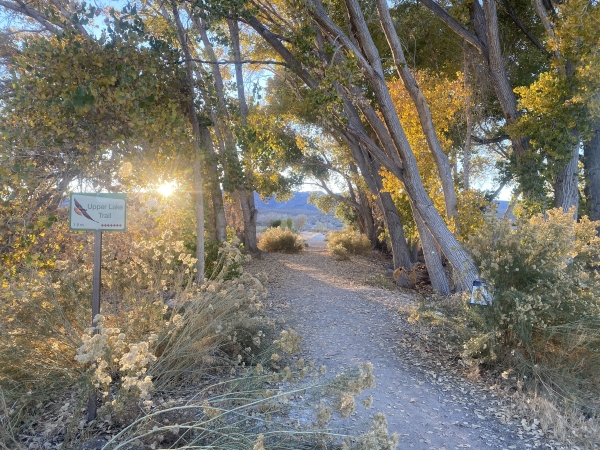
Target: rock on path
{"points": [[345, 322]]}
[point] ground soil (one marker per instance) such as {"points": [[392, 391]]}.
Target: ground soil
{"points": [[347, 319]]}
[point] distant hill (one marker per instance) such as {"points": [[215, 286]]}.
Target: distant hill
{"points": [[299, 202]]}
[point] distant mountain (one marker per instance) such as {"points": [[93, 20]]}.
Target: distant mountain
{"points": [[299, 202]]}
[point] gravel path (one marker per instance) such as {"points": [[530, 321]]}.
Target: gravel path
{"points": [[345, 322]]}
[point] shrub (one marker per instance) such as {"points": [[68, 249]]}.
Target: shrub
{"points": [[339, 252], [349, 240], [275, 223], [289, 223], [46, 351], [278, 240], [545, 317], [300, 221]]}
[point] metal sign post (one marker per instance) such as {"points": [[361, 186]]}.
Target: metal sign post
{"points": [[97, 213]]}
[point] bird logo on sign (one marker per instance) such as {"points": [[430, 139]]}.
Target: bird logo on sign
{"points": [[79, 210]]}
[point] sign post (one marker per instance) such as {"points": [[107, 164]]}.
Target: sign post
{"points": [[97, 213]]}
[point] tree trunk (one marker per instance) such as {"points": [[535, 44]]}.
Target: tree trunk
{"points": [[216, 194], [370, 171], [416, 94], [250, 214], [433, 260], [408, 172], [566, 194], [249, 211], [487, 41], [591, 153], [199, 157], [467, 148], [367, 214], [217, 218]]}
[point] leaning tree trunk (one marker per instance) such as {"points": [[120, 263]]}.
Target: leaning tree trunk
{"points": [[246, 196], [433, 260], [591, 153], [370, 170], [416, 94], [371, 67]]}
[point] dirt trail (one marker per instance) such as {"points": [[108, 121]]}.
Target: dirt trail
{"points": [[345, 322]]}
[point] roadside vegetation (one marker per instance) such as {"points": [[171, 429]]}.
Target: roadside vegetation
{"points": [[173, 362], [281, 240], [411, 118], [541, 334], [343, 243]]}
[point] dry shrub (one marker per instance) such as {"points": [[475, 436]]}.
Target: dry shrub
{"points": [[545, 319], [544, 324], [299, 221], [348, 240], [157, 327], [255, 410], [278, 240]]}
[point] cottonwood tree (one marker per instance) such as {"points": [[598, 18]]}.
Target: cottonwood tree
{"points": [[362, 57]]}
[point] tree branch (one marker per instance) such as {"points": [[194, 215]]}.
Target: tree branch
{"points": [[486, 141], [338, 197], [454, 25], [243, 61], [513, 15], [22, 8]]}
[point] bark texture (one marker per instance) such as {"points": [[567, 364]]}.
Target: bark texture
{"points": [[591, 152], [566, 193], [416, 94], [369, 62], [246, 196]]}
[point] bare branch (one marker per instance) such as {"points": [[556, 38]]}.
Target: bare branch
{"points": [[22, 8], [454, 25]]}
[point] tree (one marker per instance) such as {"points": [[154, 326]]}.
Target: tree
{"points": [[395, 153], [74, 109]]}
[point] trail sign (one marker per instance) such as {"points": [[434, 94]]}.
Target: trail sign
{"points": [[98, 212]]}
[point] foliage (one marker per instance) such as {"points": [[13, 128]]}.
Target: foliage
{"points": [[137, 347], [543, 276], [275, 223], [278, 240], [446, 97], [73, 110], [559, 106], [328, 204], [340, 243]]}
